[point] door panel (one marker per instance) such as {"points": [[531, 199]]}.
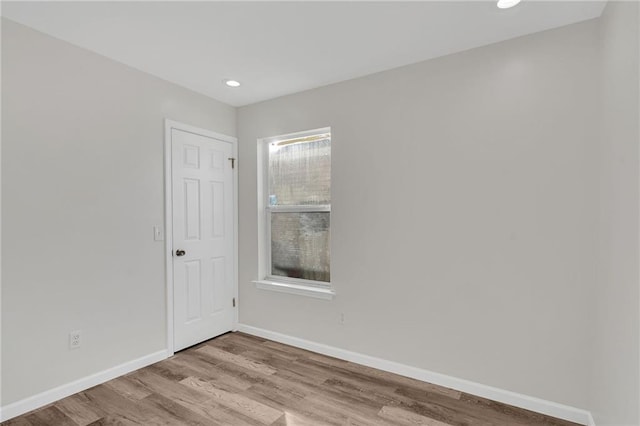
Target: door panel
{"points": [[192, 209], [202, 183], [218, 274], [217, 217], [193, 283]]}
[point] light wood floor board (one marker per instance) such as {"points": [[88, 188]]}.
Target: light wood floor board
{"points": [[242, 380]]}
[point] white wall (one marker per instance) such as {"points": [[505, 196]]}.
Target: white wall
{"points": [[615, 396], [82, 188], [463, 216]]}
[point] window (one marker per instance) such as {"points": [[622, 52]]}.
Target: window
{"points": [[295, 196]]}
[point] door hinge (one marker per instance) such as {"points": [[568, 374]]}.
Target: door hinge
{"points": [[234, 302], [233, 162]]}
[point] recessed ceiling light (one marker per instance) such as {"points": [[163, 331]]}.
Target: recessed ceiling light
{"points": [[506, 4], [231, 83]]}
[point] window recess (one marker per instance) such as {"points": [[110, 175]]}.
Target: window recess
{"points": [[295, 213]]}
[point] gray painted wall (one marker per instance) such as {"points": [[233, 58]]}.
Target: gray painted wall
{"points": [[82, 188], [615, 394], [463, 217]]}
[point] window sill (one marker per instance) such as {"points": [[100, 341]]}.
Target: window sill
{"points": [[301, 290]]}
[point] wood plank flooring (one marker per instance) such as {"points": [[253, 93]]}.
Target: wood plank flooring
{"points": [[238, 379]]}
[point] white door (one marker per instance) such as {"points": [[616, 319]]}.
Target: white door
{"points": [[203, 237]]}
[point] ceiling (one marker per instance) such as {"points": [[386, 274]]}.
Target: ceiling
{"points": [[278, 48]]}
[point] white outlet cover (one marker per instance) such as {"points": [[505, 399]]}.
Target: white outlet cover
{"points": [[75, 339]]}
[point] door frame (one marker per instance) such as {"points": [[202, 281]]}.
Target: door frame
{"points": [[168, 218]]}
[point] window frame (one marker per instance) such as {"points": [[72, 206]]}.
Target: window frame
{"points": [[267, 281]]}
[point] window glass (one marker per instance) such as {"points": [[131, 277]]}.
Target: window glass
{"points": [[299, 207], [300, 173], [300, 244]]}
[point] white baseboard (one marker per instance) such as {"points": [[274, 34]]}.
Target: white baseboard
{"points": [[47, 397], [507, 397]]}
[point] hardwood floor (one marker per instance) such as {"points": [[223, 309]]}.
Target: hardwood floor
{"points": [[238, 379]]}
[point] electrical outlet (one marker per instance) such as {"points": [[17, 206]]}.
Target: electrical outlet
{"points": [[341, 319], [75, 339]]}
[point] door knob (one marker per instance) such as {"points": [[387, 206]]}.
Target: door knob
{"points": [[180, 252]]}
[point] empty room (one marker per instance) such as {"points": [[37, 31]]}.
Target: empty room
{"points": [[306, 213]]}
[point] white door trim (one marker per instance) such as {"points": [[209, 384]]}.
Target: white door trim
{"points": [[168, 218]]}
